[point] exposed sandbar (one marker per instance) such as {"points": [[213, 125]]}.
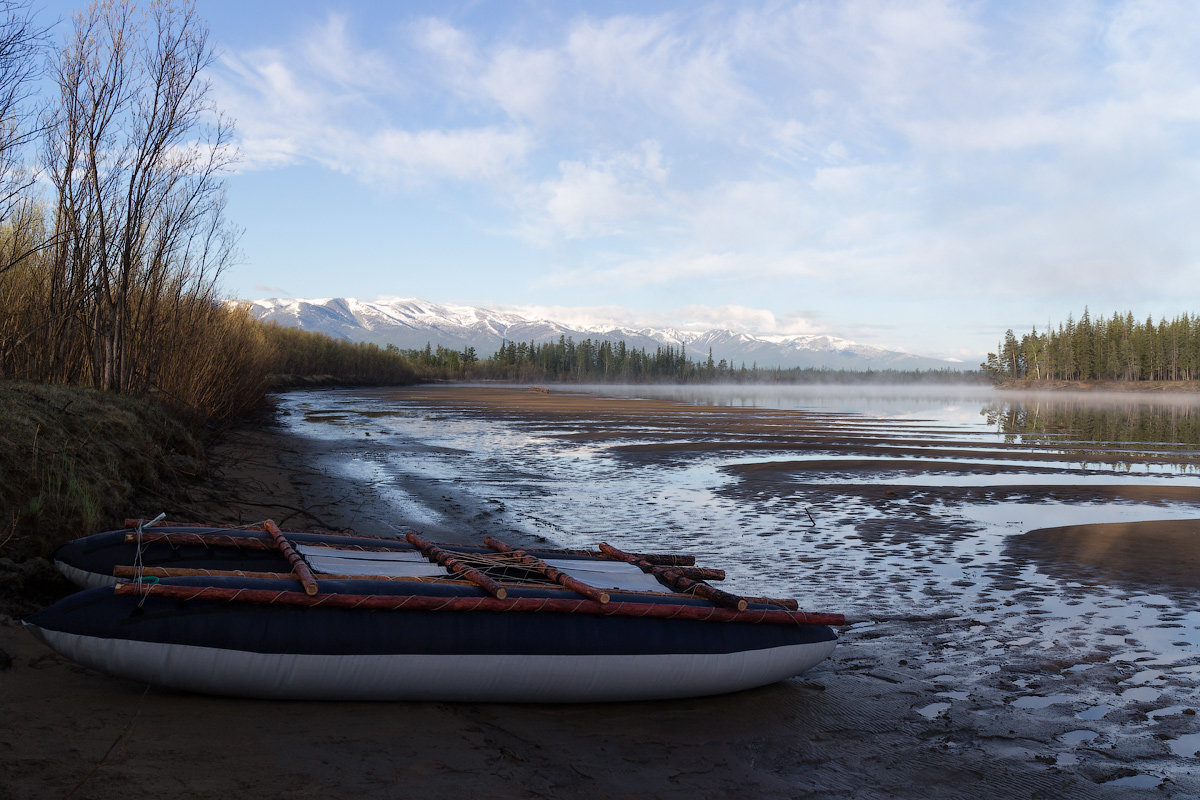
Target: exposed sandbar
{"points": [[1154, 552]]}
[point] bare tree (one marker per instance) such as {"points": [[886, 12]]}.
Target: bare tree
{"points": [[136, 151]]}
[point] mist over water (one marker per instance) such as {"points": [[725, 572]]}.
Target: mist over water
{"points": [[1080, 415], [950, 404]]}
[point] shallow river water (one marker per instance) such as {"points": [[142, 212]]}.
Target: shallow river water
{"points": [[901, 507]]}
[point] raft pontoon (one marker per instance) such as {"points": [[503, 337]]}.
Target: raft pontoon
{"points": [[262, 613]]}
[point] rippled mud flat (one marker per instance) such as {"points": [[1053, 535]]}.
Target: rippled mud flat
{"points": [[984, 639]]}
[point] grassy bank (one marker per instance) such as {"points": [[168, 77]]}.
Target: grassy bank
{"points": [[73, 459]]}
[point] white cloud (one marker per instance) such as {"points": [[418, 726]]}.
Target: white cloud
{"points": [[331, 53], [447, 43], [523, 82], [471, 154], [309, 105], [600, 197], [759, 321], [647, 70]]}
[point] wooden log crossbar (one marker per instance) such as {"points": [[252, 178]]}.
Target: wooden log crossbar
{"points": [[453, 565], [204, 540], [299, 565], [678, 582], [699, 573], [513, 604], [683, 562], [253, 543], [125, 571], [542, 568], [658, 559]]}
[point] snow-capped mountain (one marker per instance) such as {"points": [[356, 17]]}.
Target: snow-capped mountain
{"points": [[412, 323]]}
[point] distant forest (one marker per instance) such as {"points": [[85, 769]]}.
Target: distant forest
{"points": [[1115, 349], [591, 361]]}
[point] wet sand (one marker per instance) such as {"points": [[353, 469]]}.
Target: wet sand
{"points": [[1133, 553], [936, 698]]}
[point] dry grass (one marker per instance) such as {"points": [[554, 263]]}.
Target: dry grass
{"points": [[70, 459]]}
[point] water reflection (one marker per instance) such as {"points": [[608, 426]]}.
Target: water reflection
{"points": [[1039, 420]]}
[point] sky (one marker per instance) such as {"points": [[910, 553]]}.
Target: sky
{"points": [[915, 175]]}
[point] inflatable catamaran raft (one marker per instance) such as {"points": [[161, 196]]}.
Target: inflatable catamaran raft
{"points": [[259, 612]]}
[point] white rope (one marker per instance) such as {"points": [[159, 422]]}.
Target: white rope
{"points": [[137, 558]]}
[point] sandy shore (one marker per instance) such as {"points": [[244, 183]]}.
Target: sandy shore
{"points": [[869, 723]]}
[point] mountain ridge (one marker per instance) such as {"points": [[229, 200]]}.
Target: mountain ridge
{"points": [[411, 323]]}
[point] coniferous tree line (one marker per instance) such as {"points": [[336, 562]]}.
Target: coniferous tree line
{"points": [[593, 361], [1120, 348], [442, 362], [604, 361]]}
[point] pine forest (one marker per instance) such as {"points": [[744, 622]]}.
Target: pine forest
{"points": [[1119, 348]]}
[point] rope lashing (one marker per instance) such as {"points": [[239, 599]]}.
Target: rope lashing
{"points": [[137, 558]]}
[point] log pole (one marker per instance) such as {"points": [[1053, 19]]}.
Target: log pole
{"points": [[298, 564], [210, 539], [125, 571], [699, 573], [658, 559], [204, 540], [446, 559], [782, 602], [678, 582], [512, 604], [122, 571], [541, 567], [253, 526]]}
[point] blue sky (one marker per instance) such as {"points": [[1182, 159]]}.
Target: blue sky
{"points": [[920, 175]]}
